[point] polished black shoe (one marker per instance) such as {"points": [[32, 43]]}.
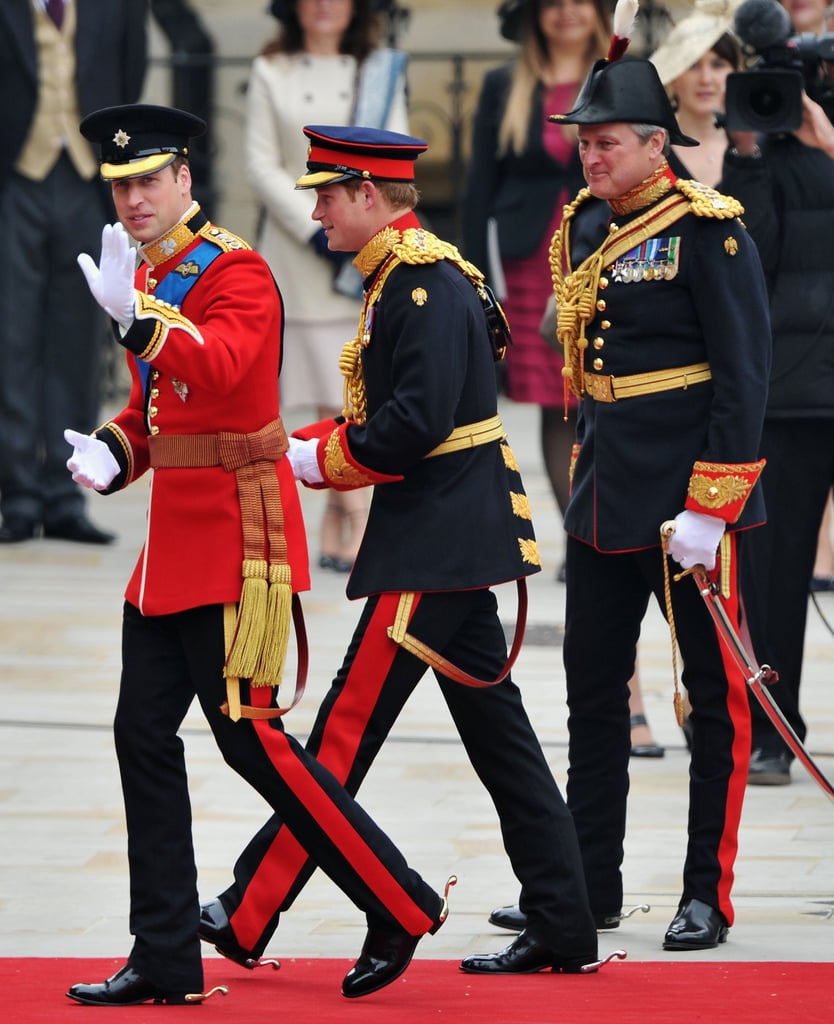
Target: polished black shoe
{"points": [[127, 988], [16, 529], [515, 920], [526, 955], [510, 918], [696, 925], [768, 768], [77, 528], [215, 928], [384, 957]]}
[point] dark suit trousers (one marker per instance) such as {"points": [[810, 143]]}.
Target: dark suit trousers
{"points": [[779, 559], [357, 714], [51, 334], [167, 660], [607, 597]]}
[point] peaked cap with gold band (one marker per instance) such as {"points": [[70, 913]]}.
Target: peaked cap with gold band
{"points": [[339, 154], [140, 138]]}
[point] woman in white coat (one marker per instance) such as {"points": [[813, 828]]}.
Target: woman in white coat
{"points": [[324, 66]]}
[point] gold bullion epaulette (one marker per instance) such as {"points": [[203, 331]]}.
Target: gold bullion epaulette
{"points": [[226, 240], [708, 202], [418, 246]]}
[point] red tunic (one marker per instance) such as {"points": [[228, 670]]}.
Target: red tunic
{"points": [[213, 367]]}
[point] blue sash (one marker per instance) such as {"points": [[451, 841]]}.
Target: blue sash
{"points": [[174, 287]]}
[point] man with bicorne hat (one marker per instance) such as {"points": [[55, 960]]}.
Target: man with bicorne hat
{"points": [[663, 317], [448, 520], [208, 607]]}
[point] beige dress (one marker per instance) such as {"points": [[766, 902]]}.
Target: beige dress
{"points": [[287, 92]]}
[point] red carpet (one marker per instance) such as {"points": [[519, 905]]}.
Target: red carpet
{"points": [[307, 992]]}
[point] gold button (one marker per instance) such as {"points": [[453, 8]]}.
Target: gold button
{"points": [[154, 392], [712, 492], [153, 411], [605, 324], [598, 343], [601, 305], [154, 430], [155, 375], [612, 227], [603, 283], [598, 363]]}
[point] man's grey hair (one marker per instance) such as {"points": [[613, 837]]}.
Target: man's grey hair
{"points": [[645, 131]]}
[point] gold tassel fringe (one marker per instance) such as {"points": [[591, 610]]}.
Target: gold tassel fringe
{"points": [[250, 629], [276, 636]]}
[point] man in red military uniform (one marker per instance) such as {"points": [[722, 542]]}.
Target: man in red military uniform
{"points": [[208, 606]]}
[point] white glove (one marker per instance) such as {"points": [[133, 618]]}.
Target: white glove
{"points": [[696, 539], [92, 464], [303, 459], [112, 282]]}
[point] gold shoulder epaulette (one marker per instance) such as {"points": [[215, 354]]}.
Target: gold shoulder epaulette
{"points": [[418, 246], [226, 240], [707, 202]]}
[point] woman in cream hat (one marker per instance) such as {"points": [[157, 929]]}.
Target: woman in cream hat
{"points": [[693, 63]]}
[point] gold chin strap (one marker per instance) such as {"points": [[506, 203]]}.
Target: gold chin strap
{"points": [[400, 635]]}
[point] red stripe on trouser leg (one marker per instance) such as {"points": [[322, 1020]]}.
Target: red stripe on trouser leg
{"points": [[351, 845], [738, 709], [269, 887]]}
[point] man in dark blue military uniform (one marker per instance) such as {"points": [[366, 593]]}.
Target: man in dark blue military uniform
{"points": [[448, 520], [663, 317]]}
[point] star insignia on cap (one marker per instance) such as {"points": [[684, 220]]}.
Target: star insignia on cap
{"points": [[121, 138]]}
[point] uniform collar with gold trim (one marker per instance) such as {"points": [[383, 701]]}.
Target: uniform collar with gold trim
{"points": [[647, 192], [372, 254], [173, 242]]}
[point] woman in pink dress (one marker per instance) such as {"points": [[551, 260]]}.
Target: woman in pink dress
{"points": [[523, 170]]}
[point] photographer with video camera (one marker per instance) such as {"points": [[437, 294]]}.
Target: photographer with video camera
{"points": [[784, 177]]}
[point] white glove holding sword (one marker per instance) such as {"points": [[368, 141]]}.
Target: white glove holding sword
{"points": [[694, 538]]}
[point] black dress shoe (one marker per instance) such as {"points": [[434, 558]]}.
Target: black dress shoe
{"points": [[126, 988], [696, 925], [515, 920], [215, 927], [384, 957], [768, 768], [16, 529], [77, 528], [526, 955], [510, 918]]}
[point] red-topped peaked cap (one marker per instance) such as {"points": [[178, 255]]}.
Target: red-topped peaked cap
{"points": [[339, 153]]}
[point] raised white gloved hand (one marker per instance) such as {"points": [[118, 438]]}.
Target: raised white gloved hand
{"points": [[696, 539], [92, 464], [112, 281], [305, 464]]}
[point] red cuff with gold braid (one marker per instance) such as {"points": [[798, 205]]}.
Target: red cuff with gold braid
{"points": [[722, 489], [340, 469], [321, 428]]}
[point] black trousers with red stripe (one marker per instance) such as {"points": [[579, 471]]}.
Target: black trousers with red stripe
{"points": [[607, 598], [357, 714], [167, 660]]}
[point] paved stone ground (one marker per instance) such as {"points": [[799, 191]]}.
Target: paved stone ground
{"points": [[63, 874]]}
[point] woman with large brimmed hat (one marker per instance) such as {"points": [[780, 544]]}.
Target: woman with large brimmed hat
{"points": [[693, 63]]}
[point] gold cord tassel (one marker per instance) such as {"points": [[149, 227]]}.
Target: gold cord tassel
{"points": [[665, 534], [245, 652], [277, 619]]}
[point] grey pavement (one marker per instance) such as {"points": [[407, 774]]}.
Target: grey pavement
{"points": [[63, 871]]}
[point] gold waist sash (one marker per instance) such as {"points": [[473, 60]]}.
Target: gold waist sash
{"points": [[607, 388]]}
